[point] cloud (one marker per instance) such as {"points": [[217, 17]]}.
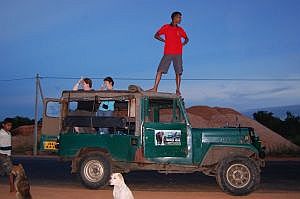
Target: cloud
{"points": [[242, 94], [262, 92]]}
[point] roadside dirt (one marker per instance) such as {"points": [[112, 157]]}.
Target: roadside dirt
{"points": [[39, 192], [204, 116]]}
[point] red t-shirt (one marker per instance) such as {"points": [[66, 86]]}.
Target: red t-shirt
{"points": [[173, 35]]}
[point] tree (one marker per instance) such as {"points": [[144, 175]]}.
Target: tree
{"points": [[291, 124], [267, 119], [288, 128], [20, 121]]}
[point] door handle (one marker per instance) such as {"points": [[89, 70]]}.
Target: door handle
{"points": [[134, 141], [150, 129]]}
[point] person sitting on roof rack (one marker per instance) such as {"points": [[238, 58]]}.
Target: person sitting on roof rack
{"points": [[86, 84], [106, 107], [85, 108]]}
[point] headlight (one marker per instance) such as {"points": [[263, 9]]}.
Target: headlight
{"points": [[247, 139]]}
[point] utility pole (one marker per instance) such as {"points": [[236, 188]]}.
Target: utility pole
{"points": [[37, 80]]}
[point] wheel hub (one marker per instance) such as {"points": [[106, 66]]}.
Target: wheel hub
{"points": [[93, 170], [238, 175]]}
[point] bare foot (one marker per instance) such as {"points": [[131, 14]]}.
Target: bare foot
{"points": [[178, 92], [152, 90]]}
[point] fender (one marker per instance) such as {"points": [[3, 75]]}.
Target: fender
{"points": [[216, 153]]}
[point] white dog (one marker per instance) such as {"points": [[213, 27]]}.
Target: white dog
{"points": [[121, 191]]}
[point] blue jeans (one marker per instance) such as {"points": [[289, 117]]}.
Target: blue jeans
{"points": [[104, 114]]}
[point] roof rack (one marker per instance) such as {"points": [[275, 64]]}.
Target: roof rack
{"points": [[132, 90]]}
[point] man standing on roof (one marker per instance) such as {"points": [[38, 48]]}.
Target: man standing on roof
{"points": [[173, 35]]}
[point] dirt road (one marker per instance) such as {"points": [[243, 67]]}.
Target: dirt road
{"points": [[58, 192], [51, 178]]}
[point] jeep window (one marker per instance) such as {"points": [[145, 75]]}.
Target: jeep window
{"points": [[53, 109], [122, 120], [72, 106], [164, 111]]}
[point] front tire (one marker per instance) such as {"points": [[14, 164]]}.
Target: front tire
{"points": [[95, 171], [238, 175]]}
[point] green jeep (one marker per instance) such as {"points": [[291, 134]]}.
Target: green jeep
{"points": [[147, 131]]}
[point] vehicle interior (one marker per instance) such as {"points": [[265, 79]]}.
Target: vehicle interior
{"points": [[121, 121], [163, 111]]}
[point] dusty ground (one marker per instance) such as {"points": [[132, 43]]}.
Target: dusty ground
{"points": [[50, 178], [44, 192]]}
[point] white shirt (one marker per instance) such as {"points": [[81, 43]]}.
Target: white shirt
{"points": [[5, 141]]}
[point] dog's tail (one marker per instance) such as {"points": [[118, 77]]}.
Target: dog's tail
{"points": [[28, 196], [24, 188]]}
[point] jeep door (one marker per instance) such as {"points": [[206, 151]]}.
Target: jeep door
{"points": [[51, 124], [164, 129]]}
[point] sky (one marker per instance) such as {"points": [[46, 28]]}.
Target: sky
{"points": [[232, 39]]}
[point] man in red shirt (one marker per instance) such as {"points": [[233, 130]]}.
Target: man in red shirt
{"points": [[173, 35]]}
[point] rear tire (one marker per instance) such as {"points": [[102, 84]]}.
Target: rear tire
{"points": [[95, 171], [238, 175]]}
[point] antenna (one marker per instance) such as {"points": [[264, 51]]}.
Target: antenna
{"points": [[237, 121]]}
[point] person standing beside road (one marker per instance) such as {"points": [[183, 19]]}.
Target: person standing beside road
{"points": [[173, 35], [5, 151]]}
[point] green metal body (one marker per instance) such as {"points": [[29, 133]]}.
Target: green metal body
{"points": [[151, 150], [207, 138], [189, 146], [120, 147], [124, 147]]}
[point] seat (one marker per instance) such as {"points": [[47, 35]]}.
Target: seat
{"points": [[95, 121]]}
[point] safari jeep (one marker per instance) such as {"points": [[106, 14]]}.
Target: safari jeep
{"points": [[147, 131]]}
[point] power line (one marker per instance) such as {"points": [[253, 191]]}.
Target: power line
{"points": [[242, 79], [166, 79], [17, 79], [185, 79]]}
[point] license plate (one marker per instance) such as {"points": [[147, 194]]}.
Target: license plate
{"points": [[50, 145]]}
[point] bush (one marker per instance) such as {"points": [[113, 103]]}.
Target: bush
{"points": [[288, 128]]}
